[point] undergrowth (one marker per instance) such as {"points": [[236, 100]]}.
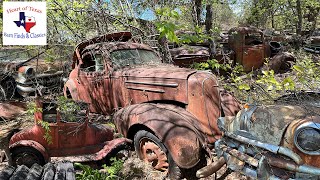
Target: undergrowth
{"points": [[111, 172], [264, 85]]}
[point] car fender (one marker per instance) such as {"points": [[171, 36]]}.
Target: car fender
{"points": [[33, 144], [174, 126], [72, 87]]}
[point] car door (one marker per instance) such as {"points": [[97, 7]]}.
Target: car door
{"points": [[91, 81], [72, 133]]}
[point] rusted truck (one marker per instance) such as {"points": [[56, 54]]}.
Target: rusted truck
{"points": [[273, 142], [64, 134], [245, 45], [249, 47], [169, 112]]}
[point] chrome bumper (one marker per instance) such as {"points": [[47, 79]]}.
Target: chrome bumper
{"points": [[254, 159]]}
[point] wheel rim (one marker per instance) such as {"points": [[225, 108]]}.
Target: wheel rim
{"points": [[27, 159], [152, 153]]}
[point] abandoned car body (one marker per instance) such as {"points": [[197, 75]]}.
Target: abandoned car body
{"points": [[24, 75], [249, 47], [271, 142], [169, 112], [63, 133]]}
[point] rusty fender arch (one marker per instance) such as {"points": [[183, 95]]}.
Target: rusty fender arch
{"points": [[33, 144], [173, 125], [71, 86]]}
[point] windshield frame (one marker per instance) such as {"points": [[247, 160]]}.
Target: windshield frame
{"points": [[156, 59]]}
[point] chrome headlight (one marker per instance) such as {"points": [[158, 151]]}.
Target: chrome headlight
{"points": [[27, 71], [307, 138]]}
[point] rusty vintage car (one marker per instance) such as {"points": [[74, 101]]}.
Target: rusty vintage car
{"points": [[169, 112], [273, 142], [249, 47], [25, 72], [313, 42], [64, 135]]}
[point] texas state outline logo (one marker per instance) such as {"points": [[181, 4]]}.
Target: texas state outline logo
{"points": [[24, 23]]}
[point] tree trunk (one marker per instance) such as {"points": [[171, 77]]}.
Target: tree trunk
{"points": [[208, 23], [198, 7], [299, 12], [209, 16], [164, 49], [272, 20]]}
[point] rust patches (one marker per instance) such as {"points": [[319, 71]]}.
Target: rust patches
{"points": [[68, 138], [249, 46], [10, 110], [177, 129]]}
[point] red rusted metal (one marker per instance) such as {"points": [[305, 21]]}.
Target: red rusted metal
{"points": [[186, 56], [211, 168], [153, 154], [173, 125], [179, 105], [249, 46], [67, 138]]}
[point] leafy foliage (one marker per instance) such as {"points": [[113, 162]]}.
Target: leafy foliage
{"points": [[89, 173], [164, 26], [68, 108], [46, 127], [31, 109], [115, 168]]}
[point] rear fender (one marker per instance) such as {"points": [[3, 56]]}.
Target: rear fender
{"points": [[173, 125], [33, 144]]}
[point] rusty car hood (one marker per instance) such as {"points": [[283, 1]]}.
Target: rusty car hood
{"points": [[266, 123], [163, 72]]}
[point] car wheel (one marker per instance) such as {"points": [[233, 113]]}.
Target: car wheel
{"points": [[151, 150], [27, 156], [120, 153]]}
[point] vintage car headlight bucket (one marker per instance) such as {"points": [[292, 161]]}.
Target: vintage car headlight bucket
{"points": [[307, 138]]}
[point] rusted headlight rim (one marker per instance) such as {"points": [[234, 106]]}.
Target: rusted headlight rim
{"points": [[301, 128]]}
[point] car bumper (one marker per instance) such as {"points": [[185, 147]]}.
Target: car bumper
{"points": [[258, 167], [25, 90]]}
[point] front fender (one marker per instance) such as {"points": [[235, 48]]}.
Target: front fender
{"points": [[33, 144], [174, 126], [70, 86]]}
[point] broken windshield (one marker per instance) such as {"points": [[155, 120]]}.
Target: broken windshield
{"points": [[133, 57]]}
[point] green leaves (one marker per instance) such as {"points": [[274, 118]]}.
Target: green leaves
{"points": [[115, 168], [288, 84], [68, 109], [89, 173], [298, 68], [46, 127], [268, 79], [244, 87], [166, 27]]}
